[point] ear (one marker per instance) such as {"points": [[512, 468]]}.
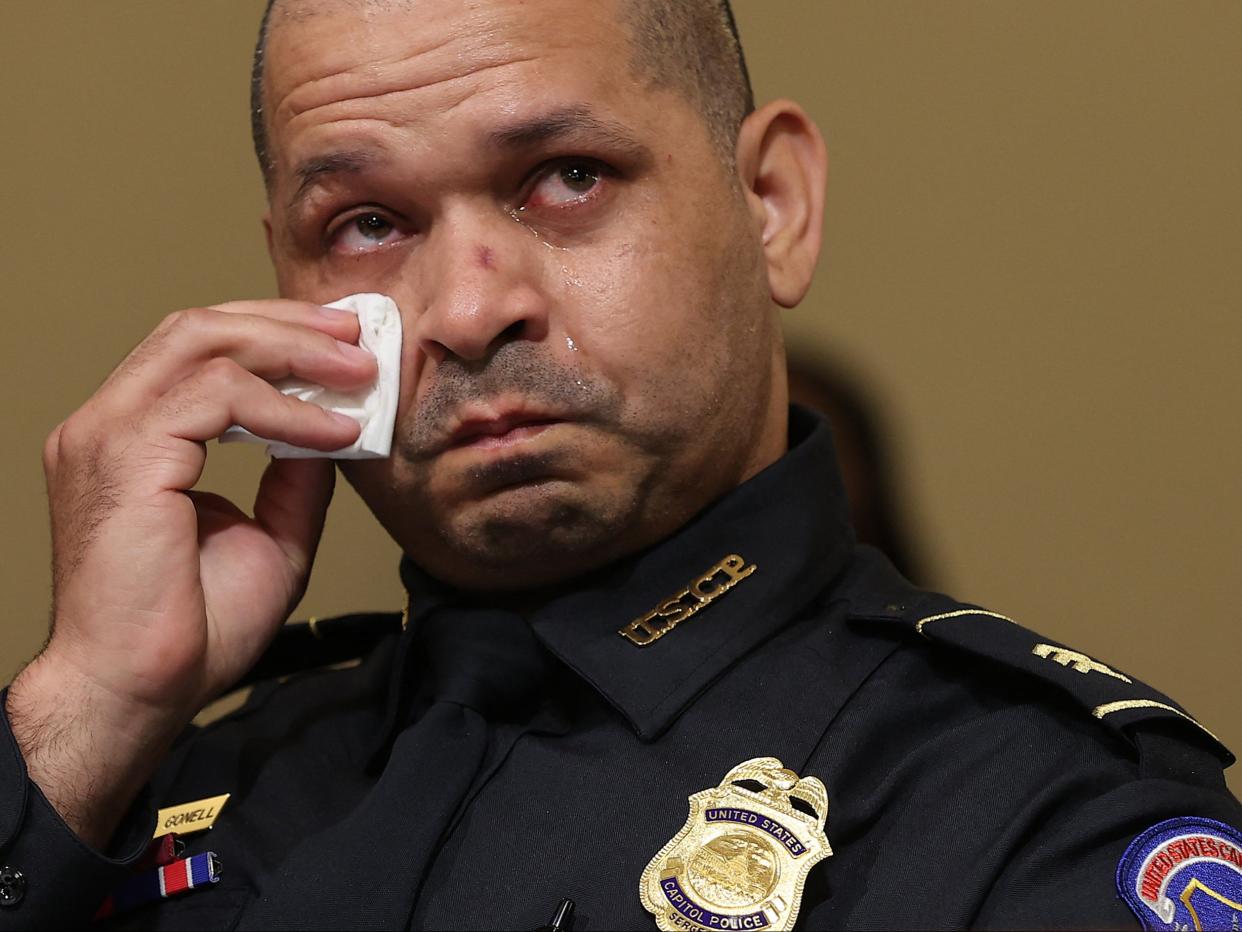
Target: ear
{"points": [[783, 166]]}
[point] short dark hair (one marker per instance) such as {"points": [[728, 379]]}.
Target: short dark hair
{"points": [[692, 46]]}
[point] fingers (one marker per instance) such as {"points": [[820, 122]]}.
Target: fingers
{"points": [[200, 372], [51, 452], [342, 325], [292, 504], [164, 447], [272, 339], [222, 393]]}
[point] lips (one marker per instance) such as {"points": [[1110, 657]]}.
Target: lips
{"points": [[487, 430]]}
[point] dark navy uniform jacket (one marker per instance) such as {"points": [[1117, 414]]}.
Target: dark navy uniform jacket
{"points": [[477, 766]]}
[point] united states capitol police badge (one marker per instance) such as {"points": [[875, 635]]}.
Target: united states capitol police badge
{"points": [[741, 859], [1184, 874]]}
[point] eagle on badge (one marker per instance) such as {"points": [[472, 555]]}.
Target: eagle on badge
{"points": [[741, 859]]}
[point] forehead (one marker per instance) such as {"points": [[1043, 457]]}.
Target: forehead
{"points": [[333, 61]]}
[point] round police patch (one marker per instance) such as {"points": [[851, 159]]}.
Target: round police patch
{"points": [[1184, 874]]}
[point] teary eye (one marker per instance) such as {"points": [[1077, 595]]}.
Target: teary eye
{"points": [[363, 232], [372, 226], [565, 183], [578, 177]]}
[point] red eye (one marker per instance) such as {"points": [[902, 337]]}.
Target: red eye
{"points": [[565, 184], [364, 232]]}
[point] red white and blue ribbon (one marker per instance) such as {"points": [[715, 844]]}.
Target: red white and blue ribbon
{"points": [[178, 876], [164, 850]]}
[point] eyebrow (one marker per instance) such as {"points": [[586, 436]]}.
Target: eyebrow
{"points": [[566, 123], [569, 122], [314, 170]]}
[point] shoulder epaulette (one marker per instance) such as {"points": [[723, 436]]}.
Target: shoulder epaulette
{"points": [[319, 642], [1110, 696]]}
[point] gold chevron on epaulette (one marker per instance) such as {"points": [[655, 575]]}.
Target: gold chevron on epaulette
{"points": [[1124, 702], [1125, 705], [923, 622]]}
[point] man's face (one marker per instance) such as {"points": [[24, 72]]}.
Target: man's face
{"points": [[589, 340]]}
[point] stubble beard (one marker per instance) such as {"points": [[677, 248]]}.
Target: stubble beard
{"points": [[516, 521]]}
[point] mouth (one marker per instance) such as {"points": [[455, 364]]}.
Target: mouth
{"points": [[480, 431]]}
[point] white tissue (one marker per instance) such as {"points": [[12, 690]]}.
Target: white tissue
{"points": [[374, 408]]}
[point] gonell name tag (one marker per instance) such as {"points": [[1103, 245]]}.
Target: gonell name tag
{"points": [[197, 816]]}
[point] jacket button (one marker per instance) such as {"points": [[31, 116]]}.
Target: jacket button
{"points": [[12, 886]]}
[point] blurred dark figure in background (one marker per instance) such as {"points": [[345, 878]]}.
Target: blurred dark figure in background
{"points": [[865, 455]]}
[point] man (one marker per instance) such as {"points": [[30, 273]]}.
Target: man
{"points": [[629, 581]]}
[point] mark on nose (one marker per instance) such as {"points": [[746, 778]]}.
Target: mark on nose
{"points": [[487, 258]]}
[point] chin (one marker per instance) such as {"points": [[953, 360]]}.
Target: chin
{"points": [[524, 537]]}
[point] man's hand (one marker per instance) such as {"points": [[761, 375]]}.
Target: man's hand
{"points": [[163, 597]]}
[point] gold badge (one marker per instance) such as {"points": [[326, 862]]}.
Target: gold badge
{"points": [[742, 857], [189, 817]]}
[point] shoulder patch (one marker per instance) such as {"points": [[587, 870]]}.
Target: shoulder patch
{"points": [[1106, 694], [1184, 874]]}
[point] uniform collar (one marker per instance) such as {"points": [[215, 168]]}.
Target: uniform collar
{"points": [[789, 522]]}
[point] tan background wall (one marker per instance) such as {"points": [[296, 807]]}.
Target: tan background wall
{"points": [[1035, 220]]}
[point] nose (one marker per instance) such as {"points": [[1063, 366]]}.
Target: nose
{"points": [[483, 291]]}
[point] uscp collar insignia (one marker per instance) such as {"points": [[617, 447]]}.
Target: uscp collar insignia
{"points": [[1184, 874], [742, 857]]}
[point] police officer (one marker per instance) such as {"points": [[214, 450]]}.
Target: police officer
{"points": [[629, 583]]}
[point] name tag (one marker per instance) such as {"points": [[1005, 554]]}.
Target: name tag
{"points": [[197, 816]]}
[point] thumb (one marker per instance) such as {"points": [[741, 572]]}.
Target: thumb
{"points": [[291, 506]]}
